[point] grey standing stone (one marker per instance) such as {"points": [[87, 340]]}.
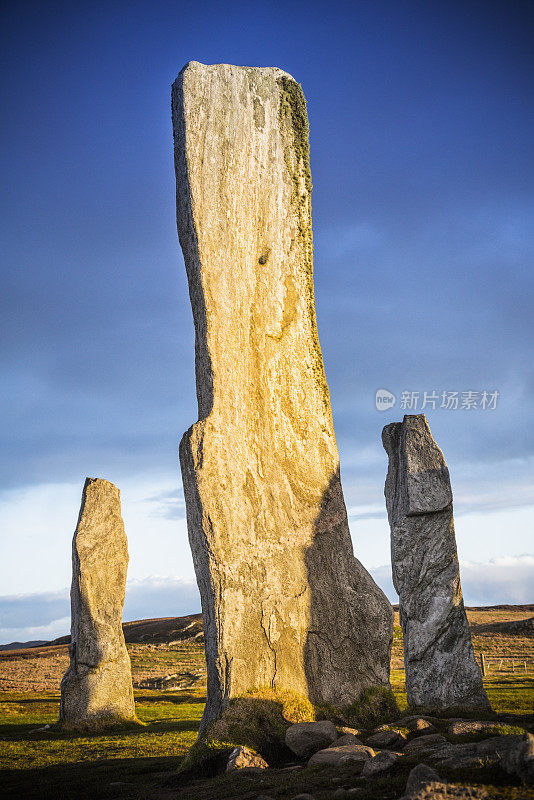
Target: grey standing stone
{"points": [[441, 671], [285, 603], [97, 688]]}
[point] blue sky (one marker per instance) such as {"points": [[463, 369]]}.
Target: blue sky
{"points": [[421, 121]]}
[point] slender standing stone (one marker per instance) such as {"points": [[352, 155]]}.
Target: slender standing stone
{"points": [[97, 688], [285, 603], [441, 670]]}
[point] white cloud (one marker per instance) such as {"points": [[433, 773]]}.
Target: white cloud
{"points": [[54, 629], [45, 615], [509, 579]]}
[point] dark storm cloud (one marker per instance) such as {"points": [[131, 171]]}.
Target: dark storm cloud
{"points": [[421, 124]]}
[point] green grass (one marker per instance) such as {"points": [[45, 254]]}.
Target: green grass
{"points": [[142, 763], [507, 695], [56, 764]]}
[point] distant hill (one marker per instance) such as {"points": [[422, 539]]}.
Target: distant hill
{"points": [[177, 629], [23, 645], [164, 629]]}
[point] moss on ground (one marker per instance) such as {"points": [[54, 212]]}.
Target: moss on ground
{"points": [[376, 706]]}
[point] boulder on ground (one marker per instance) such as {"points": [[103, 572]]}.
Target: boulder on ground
{"points": [[347, 738], [498, 750], [519, 760], [416, 724], [462, 727], [305, 738], [446, 791], [243, 758], [379, 763], [387, 738], [347, 754], [432, 741], [419, 777]]}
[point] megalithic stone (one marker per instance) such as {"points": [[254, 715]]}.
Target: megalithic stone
{"points": [[97, 688], [285, 603], [441, 670]]}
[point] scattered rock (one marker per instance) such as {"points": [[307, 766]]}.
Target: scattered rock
{"points": [[180, 680], [343, 729], [519, 760], [357, 754], [416, 724], [441, 670], [304, 796], [266, 516], [445, 791], [339, 794], [379, 763], [97, 687], [305, 738], [494, 751], [244, 758], [419, 776], [388, 738], [40, 730], [432, 741], [347, 738], [461, 727]]}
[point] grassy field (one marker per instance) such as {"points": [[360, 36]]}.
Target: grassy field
{"points": [[141, 762]]}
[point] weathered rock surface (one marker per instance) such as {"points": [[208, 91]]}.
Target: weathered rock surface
{"points": [[97, 687], [379, 763], [423, 744], [285, 603], [445, 791], [305, 738], [461, 727], [388, 738], [244, 758], [441, 671], [347, 738], [419, 777], [519, 759], [497, 750], [416, 724], [348, 754]]}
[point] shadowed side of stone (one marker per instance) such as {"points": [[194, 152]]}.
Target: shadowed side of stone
{"points": [[441, 670], [266, 517], [97, 688]]}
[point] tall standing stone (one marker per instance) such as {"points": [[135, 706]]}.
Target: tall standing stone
{"points": [[285, 603], [441, 671], [97, 687]]}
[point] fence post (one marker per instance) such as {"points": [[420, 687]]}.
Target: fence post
{"points": [[482, 665]]}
